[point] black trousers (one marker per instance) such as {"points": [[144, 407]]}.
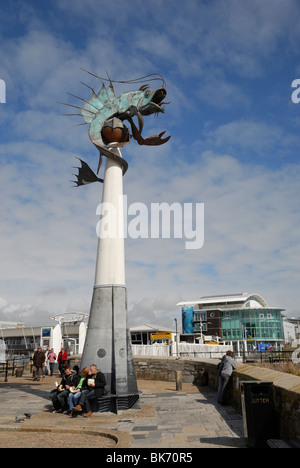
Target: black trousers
{"points": [[86, 396], [60, 399]]}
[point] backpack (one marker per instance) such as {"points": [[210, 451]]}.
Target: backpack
{"points": [[220, 367]]}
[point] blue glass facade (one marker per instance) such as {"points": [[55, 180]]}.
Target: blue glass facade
{"points": [[252, 325]]}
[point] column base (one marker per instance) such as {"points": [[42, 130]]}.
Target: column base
{"points": [[115, 403], [108, 346]]}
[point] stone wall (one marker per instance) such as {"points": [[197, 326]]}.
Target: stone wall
{"points": [[203, 372], [197, 371]]}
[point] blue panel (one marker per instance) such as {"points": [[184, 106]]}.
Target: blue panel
{"points": [[187, 320]]}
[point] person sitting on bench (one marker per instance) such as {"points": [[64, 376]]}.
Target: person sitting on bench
{"points": [[59, 396], [92, 388]]}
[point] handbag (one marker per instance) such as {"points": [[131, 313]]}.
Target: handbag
{"points": [[220, 367]]}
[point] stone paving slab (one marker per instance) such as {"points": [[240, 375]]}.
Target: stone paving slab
{"points": [[166, 419]]}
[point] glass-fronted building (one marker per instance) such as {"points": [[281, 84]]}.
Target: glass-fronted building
{"points": [[245, 321], [252, 325]]}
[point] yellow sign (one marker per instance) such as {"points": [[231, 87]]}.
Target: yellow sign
{"points": [[160, 336]]}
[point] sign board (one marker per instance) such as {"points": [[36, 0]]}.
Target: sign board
{"points": [[160, 336]]}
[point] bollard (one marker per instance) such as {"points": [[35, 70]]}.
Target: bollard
{"points": [[19, 372], [178, 376], [6, 371]]}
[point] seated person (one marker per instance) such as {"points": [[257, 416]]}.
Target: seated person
{"points": [[75, 392], [92, 388], [59, 396]]}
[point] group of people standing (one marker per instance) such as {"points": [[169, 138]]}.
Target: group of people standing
{"points": [[75, 392], [43, 362]]}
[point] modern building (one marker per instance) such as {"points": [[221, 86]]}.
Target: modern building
{"points": [[69, 331], [292, 330], [151, 334], [244, 320], [11, 324]]}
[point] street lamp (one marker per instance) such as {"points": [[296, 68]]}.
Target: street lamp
{"points": [[176, 336]]}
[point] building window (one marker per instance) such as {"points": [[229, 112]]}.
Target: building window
{"points": [[200, 316], [136, 338], [197, 327]]}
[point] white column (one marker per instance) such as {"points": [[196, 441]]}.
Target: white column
{"points": [[110, 262]]}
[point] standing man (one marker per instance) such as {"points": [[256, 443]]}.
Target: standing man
{"points": [[38, 363]]}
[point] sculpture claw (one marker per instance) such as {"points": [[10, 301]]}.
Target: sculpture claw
{"points": [[150, 141], [155, 140]]}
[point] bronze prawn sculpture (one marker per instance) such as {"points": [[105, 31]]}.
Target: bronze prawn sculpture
{"points": [[105, 114]]}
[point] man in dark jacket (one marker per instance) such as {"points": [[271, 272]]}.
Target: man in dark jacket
{"points": [[92, 387], [60, 395], [38, 363]]}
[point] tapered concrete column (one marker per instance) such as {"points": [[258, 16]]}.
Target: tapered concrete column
{"points": [[110, 264], [108, 342]]}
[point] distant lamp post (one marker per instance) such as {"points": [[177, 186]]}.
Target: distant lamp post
{"points": [[177, 352], [245, 337]]}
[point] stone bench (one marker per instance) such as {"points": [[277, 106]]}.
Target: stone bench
{"points": [[114, 403]]}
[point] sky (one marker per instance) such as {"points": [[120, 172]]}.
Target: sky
{"points": [[229, 66]]}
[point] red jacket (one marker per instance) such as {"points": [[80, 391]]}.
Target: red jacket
{"points": [[63, 357]]}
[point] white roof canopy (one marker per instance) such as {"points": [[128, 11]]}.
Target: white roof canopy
{"points": [[243, 300]]}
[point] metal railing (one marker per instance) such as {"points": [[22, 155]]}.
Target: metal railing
{"points": [[212, 352], [270, 356], [10, 365]]}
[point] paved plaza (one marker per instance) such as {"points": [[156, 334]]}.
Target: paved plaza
{"points": [[191, 418]]}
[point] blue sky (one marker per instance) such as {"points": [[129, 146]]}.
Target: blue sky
{"points": [[229, 66]]}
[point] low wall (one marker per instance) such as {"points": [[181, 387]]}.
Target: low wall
{"points": [[197, 371], [203, 372]]}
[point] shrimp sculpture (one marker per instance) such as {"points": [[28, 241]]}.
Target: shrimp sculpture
{"points": [[105, 113]]}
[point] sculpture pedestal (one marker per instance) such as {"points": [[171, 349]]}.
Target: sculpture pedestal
{"points": [[108, 345]]}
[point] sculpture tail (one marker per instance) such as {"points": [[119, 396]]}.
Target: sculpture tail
{"points": [[85, 175]]}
